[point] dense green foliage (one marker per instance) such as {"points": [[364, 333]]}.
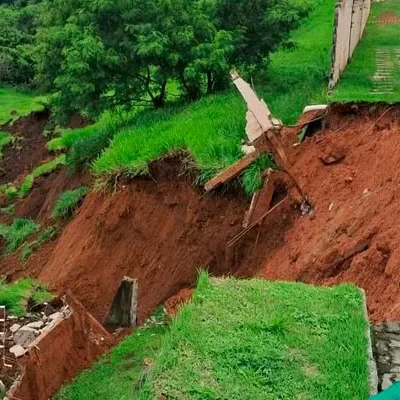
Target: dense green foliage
{"points": [[96, 55], [68, 202], [116, 374], [16, 234], [17, 30], [15, 296], [254, 339]]}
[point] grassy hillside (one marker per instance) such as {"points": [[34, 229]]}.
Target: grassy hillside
{"points": [[256, 339], [241, 339], [357, 83], [14, 104]]}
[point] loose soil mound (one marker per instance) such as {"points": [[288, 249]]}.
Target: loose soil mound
{"points": [[29, 148], [353, 234]]}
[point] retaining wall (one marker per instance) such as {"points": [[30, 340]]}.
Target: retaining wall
{"points": [[350, 20]]}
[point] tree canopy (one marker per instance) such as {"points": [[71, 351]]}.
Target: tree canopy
{"points": [[96, 54]]}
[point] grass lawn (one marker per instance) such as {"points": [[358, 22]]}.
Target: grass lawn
{"points": [[254, 339], [116, 374], [20, 103], [356, 83], [299, 76], [15, 296]]}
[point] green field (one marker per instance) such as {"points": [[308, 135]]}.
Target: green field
{"points": [[14, 104], [357, 83], [254, 339]]}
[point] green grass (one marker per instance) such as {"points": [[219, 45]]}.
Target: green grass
{"points": [[356, 83], [298, 76], [16, 234], [68, 202], [44, 236], [43, 169], [15, 296], [254, 339], [20, 103], [116, 374]]}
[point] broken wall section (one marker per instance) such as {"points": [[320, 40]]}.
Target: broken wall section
{"points": [[57, 355], [350, 20]]}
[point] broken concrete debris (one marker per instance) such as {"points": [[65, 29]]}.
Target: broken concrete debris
{"points": [[23, 334]]}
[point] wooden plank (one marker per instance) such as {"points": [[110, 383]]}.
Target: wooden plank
{"points": [[244, 232], [231, 172]]}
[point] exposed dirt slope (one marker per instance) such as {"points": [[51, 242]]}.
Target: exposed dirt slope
{"points": [[159, 231], [353, 234], [29, 148]]}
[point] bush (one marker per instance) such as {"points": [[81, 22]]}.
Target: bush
{"points": [[43, 169], [16, 233], [16, 296], [44, 236], [68, 202]]}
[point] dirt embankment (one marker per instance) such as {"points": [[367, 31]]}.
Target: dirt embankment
{"points": [[159, 231], [353, 234]]}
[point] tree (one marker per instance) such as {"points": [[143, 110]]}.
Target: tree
{"points": [[16, 44], [259, 26]]}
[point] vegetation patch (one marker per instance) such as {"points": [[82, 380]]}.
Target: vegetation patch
{"points": [[118, 373], [43, 169], [254, 339], [357, 83], [16, 234], [15, 104], [68, 202], [44, 236], [16, 296], [5, 139]]}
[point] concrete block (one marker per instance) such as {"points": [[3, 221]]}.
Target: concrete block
{"points": [[123, 309], [25, 336], [14, 328], [392, 327], [35, 325], [17, 350]]}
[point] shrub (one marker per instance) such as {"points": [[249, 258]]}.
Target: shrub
{"points": [[16, 233], [68, 202], [43, 169], [16, 296], [45, 235]]}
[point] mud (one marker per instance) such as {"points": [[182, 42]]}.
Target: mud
{"points": [[351, 235], [28, 149], [159, 231]]}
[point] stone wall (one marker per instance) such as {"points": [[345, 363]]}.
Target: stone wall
{"points": [[386, 339]]}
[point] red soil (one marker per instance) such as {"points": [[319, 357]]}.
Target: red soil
{"points": [[352, 236], [28, 150], [174, 303]]}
